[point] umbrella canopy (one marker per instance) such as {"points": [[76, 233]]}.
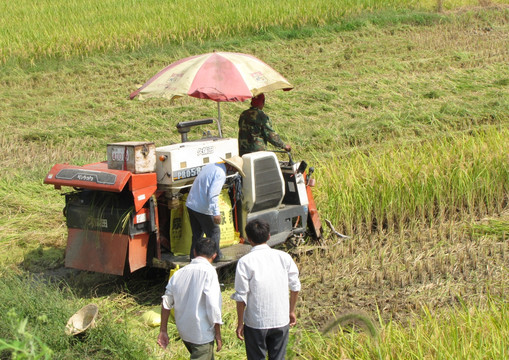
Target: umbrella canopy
{"points": [[218, 76]]}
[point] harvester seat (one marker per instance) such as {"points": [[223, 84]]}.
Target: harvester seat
{"points": [[263, 187]]}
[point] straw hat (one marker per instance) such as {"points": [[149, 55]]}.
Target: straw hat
{"points": [[237, 162], [82, 320]]}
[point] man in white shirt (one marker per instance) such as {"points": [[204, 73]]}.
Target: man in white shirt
{"points": [[194, 293], [262, 280], [203, 201]]}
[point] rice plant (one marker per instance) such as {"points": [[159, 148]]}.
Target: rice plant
{"points": [[433, 180], [33, 30], [404, 115]]}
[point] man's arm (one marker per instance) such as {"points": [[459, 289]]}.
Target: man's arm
{"points": [[213, 305], [240, 296], [162, 339], [213, 193], [219, 341], [270, 135], [241, 306], [293, 302], [294, 285]]}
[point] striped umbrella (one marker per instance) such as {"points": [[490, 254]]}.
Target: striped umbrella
{"points": [[217, 76]]}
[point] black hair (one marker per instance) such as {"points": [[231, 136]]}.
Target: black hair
{"points": [[258, 231], [205, 247]]}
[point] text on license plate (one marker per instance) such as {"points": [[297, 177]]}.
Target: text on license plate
{"points": [[187, 173]]}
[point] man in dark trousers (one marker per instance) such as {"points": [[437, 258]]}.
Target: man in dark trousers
{"points": [[255, 129], [203, 201], [194, 293], [265, 311]]}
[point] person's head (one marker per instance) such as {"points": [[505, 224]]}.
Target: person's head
{"points": [[258, 231], [258, 101], [207, 248], [234, 163]]}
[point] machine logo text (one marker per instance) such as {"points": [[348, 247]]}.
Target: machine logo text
{"points": [[205, 150]]}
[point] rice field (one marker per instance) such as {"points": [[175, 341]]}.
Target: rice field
{"points": [[403, 113], [432, 181], [433, 335], [33, 30]]}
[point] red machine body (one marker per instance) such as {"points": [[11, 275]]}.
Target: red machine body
{"points": [[92, 243]]}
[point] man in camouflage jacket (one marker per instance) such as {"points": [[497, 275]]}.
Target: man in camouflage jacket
{"points": [[255, 129]]}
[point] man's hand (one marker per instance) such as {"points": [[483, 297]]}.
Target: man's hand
{"points": [[293, 302], [217, 219], [241, 306], [287, 148], [162, 339], [240, 331], [219, 343], [293, 319], [217, 337]]}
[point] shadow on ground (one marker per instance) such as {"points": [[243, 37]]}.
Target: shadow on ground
{"points": [[145, 286]]}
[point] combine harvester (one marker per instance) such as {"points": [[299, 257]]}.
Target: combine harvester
{"points": [[129, 212]]}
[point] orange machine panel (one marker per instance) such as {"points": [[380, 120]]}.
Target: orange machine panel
{"points": [[96, 251], [138, 251], [93, 176]]}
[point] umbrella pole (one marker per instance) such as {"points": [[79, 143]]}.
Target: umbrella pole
{"points": [[219, 119]]}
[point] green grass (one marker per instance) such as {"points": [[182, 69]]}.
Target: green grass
{"points": [[463, 332], [36, 330], [492, 227], [31, 31], [403, 113], [42, 310]]}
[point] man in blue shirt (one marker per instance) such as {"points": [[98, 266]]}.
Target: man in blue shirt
{"points": [[203, 201]]}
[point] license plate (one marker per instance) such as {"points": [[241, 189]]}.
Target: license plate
{"points": [[187, 173]]}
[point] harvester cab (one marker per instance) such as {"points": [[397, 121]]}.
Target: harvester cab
{"points": [[129, 212]]}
